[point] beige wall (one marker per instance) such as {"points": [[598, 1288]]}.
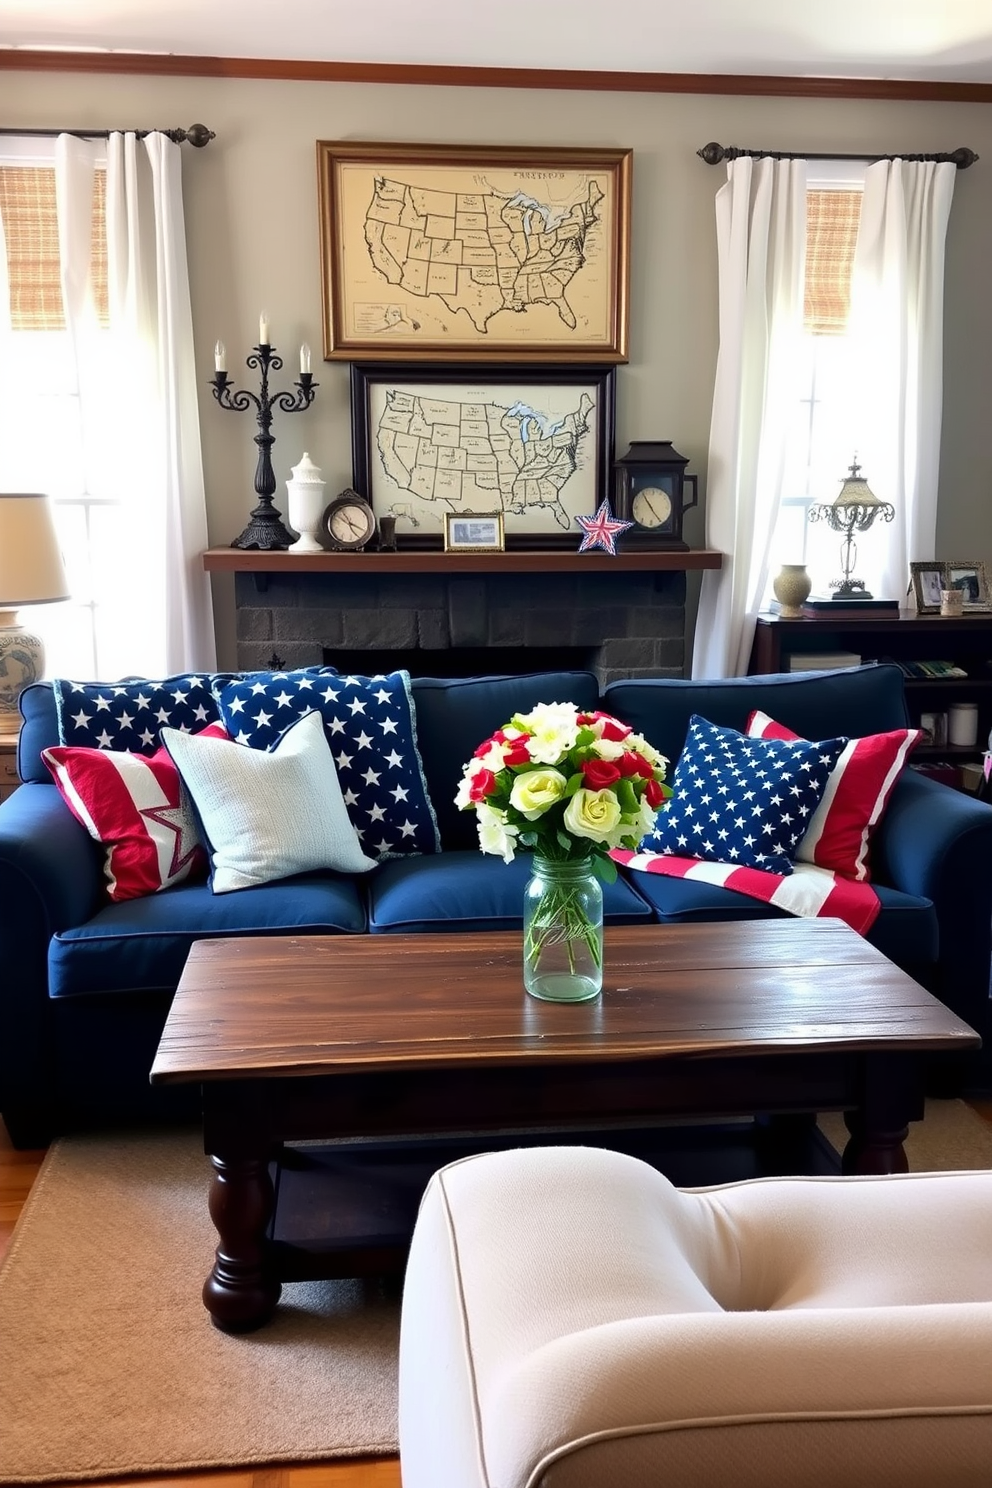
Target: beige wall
{"points": [[251, 221]]}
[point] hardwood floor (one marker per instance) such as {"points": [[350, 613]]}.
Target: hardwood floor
{"points": [[17, 1173]]}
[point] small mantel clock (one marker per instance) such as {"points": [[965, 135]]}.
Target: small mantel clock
{"points": [[650, 482]]}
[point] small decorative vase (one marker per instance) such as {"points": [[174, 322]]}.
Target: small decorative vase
{"points": [[791, 586], [563, 932], [306, 505]]}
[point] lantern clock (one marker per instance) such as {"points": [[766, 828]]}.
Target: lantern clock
{"points": [[649, 491]]}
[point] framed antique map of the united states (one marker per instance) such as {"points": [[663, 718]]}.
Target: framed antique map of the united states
{"points": [[465, 252]]}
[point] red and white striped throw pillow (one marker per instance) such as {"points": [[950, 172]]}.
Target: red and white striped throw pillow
{"points": [[857, 794], [136, 806]]}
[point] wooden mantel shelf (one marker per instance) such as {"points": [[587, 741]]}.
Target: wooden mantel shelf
{"points": [[414, 561]]}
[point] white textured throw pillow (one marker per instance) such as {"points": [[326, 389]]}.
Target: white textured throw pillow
{"points": [[268, 814]]}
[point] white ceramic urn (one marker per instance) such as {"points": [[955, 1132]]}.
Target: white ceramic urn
{"points": [[306, 505]]}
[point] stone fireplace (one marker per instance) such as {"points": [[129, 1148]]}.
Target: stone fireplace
{"points": [[616, 621]]}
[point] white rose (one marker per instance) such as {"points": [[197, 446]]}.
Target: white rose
{"points": [[535, 791], [593, 814]]}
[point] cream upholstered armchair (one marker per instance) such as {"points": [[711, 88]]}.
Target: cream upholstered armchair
{"points": [[572, 1320]]}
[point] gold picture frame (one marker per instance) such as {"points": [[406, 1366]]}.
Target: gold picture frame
{"points": [[474, 252], [930, 577], [973, 579], [473, 532]]}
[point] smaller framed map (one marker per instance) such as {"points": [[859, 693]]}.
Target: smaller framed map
{"points": [[532, 445], [471, 252]]}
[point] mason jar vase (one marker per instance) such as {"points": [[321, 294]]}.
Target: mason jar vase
{"points": [[563, 931]]}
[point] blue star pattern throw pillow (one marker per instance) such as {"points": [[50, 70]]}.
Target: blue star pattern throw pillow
{"points": [[732, 803], [371, 728], [129, 715]]}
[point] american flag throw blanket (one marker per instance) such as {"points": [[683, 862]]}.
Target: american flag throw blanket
{"points": [[807, 891]]}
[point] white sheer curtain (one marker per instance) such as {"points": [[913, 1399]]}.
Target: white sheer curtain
{"points": [[761, 240], [137, 391], [896, 329]]}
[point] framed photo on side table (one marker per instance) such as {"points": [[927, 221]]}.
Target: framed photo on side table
{"points": [[973, 580], [533, 445], [928, 581], [474, 252]]}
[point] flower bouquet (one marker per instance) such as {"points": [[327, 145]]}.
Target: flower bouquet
{"points": [[568, 786]]}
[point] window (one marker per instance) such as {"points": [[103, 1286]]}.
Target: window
{"points": [[819, 451], [60, 442]]}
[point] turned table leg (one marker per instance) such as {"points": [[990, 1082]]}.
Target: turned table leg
{"points": [[241, 1293], [891, 1098]]}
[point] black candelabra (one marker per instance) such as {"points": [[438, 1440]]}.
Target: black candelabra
{"points": [[266, 528]]}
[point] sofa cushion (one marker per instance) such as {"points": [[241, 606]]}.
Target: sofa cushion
{"points": [[129, 714], [905, 930], [466, 890], [856, 796], [371, 728], [454, 713], [740, 800], [142, 945], [135, 807], [268, 814], [815, 705]]}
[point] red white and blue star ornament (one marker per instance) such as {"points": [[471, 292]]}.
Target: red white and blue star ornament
{"points": [[602, 530]]}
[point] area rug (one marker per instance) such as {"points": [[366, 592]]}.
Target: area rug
{"points": [[109, 1365]]}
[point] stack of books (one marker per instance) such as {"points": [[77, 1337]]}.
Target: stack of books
{"points": [[816, 608]]}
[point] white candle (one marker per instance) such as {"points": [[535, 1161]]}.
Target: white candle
{"points": [[220, 357], [263, 328], [304, 358]]}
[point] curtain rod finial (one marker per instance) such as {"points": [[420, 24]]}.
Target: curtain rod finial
{"points": [[712, 153], [199, 135]]}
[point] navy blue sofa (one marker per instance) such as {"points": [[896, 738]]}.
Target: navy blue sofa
{"points": [[85, 984]]}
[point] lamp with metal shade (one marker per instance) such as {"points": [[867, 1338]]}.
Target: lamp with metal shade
{"points": [[31, 572], [854, 509]]}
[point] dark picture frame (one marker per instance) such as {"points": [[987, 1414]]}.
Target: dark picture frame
{"points": [[471, 252], [449, 434], [927, 580]]}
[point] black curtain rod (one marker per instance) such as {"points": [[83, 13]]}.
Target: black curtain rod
{"points": [[713, 154], [197, 134]]}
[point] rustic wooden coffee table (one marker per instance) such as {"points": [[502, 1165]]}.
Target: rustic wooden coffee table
{"points": [[431, 1036]]}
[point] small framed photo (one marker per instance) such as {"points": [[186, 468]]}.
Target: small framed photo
{"points": [[928, 581], [473, 532], [973, 580]]}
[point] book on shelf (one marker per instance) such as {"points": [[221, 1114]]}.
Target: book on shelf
{"points": [[817, 608], [822, 661]]}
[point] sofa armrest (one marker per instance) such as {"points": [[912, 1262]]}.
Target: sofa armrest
{"points": [[936, 842], [50, 878]]}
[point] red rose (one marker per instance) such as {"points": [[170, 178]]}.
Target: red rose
{"points": [[612, 727], [483, 785], [517, 754], [632, 763], [599, 773], [483, 749], [653, 793]]}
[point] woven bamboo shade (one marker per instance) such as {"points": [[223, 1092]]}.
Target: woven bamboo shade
{"points": [[832, 219], [30, 225]]}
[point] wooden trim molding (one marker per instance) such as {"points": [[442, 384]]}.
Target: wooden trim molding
{"points": [[537, 78]]}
